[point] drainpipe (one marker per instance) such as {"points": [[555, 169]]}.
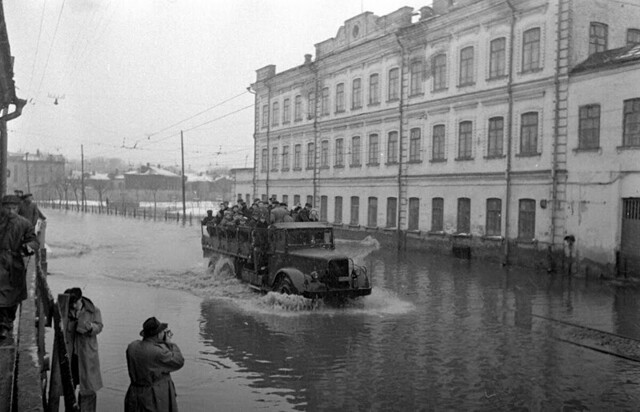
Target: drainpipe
{"points": [[507, 173], [256, 118], [400, 139], [316, 81], [268, 139]]}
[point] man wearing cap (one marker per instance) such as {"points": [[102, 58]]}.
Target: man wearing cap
{"points": [[30, 210], [150, 362], [16, 236]]}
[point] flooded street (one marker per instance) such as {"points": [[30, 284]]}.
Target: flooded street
{"points": [[436, 333]]}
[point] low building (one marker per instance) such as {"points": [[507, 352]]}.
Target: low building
{"points": [[242, 183], [153, 179], [39, 173]]}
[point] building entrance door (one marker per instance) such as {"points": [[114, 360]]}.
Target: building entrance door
{"points": [[629, 261]]}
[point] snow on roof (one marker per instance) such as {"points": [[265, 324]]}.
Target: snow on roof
{"points": [[198, 178], [152, 170], [99, 176]]}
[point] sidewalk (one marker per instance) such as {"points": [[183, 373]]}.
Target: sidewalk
{"points": [[18, 357]]}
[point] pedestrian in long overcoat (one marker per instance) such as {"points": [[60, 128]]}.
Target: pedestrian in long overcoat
{"points": [[150, 362], [16, 236], [83, 326]]}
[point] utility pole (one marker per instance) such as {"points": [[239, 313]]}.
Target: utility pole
{"points": [[82, 176], [3, 154], [184, 202], [26, 163]]}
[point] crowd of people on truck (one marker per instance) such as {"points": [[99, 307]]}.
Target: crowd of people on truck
{"points": [[260, 215]]}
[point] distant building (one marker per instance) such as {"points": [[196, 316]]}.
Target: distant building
{"points": [[243, 183], [200, 185], [451, 130], [38, 173], [153, 179]]}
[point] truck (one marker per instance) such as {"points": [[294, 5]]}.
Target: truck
{"points": [[295, 258]]}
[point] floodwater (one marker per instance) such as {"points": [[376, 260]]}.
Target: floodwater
{"points": [[436, 334]]}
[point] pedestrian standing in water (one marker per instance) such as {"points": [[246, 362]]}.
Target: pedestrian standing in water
{"points": [[83, 326], [150, 362], [17, 237]]}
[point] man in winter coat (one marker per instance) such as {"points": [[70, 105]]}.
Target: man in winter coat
{"points": [[16, 237], [150, 362], [85, 323], [30, 210]]}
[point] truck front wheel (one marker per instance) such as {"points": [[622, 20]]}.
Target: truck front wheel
{"points": [[285, 286]]}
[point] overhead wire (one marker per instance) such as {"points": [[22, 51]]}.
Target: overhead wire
{"points": [[53, 40], [35, 57]]}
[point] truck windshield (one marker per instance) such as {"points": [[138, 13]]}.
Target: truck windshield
{"points": [[310, 237]]}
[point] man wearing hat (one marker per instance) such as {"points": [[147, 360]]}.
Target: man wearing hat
{"points": [[30, 210], [16, 236], [150, 362]]}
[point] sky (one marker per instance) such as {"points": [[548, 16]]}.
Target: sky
{"points": [[129, 75]]}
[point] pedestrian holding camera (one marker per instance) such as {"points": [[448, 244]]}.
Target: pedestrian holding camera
{"points": [[150, 362]]}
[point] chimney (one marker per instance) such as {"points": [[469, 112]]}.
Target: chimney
{"points": [[442, 6], [426, 12], [307, 59]]}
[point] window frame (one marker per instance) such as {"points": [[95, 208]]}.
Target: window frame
{"points": [[526, 219], [437, 214], [531, 57], [415, 142], [467, 65], [340, 106], [439, 72], [465, 140], [393, 89], [356, 94], [356, 151], [372, 211], [324, 102], [392, 212], [631, 34], [392, 147], [354, 217], [297, 157], [493, 226], [598, 41], [339, 153], [374, 89], [415, 77], [373, 149], [413, 221], [337, 210], [297, 108], [285, 157], [589, 127], [324, 154], [275, 112], [438, 142], [495, 137], [497, 58], [630, 122], [286, 111], [311, 155], [529, 134]]}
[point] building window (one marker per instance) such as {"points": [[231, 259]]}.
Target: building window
{"points": [[265, 160], [297, 108], [297, 155], [415, 80], [355, 151], [414, 145], [465, 132], [356, 94], [275, 113], [394, 84], [324, 203], [466, 66], [527, 219], [497, 57], [286, 111], [265, 116], [373, 149], [392, 211], [438, 142], [311, 105], [494, 217], [631, 136], [374, 89], [310, 200], [392, 148], [337, 212], [414, 213], [589, 127], [633, 36], [340, 97], [285, 199], [285, 157], [355, 210], [372, 212], [311, 156], [529, 134], [495, 137], [598, 34], [531, 50], [324, 102], [324, 154], [464, 215], [296, 200], [440, 72], [274, 158], [437, 214], [339, 156]]}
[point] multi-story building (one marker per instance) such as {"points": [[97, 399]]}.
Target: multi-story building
{"points": [[449, 131], [38, 173]]}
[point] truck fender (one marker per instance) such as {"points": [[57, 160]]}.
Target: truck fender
{"points": [[297, 278]]}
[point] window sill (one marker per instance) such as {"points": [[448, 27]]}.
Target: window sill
{"points": [[297, 120], [274, 170], [309, 168], [355, 165], [416, 94], [621, 148], [354, 226], [391, 163], [463, 85], [373, 104], [521, 241], [390, 229], [412, 162], [531, 71], [440, 233], [493, 238], [495, 157], [463, 159], [440, 90], [438, 161], [393, 100], [284, 169], [497, 78], [373, 164], [414, 232], [338, 166], [323, 167], [275, 125], [297, 169], [371, 228], [356, 108], [337, 225], [587, 150], [339, 111], [528, 154], [286, 122], [462, 235]]}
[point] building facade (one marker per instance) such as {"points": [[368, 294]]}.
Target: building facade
{"points": [[449, 131], [38, 173]]}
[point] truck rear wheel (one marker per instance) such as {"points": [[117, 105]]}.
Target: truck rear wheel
{"points": [[285, 286]]}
